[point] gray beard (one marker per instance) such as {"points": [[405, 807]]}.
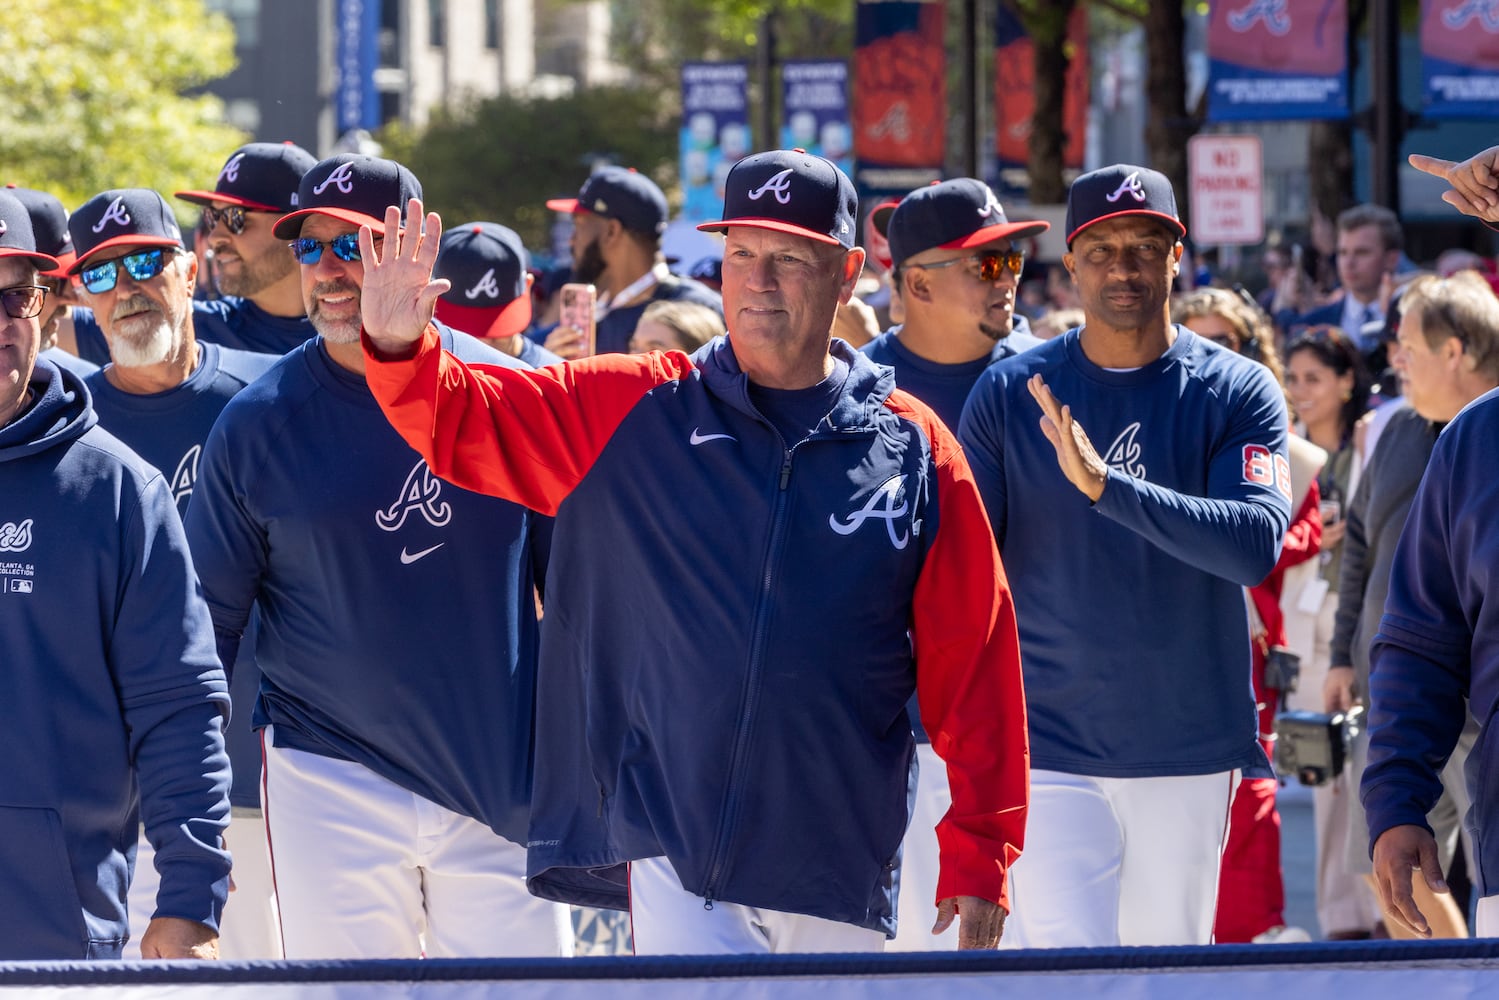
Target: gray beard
{"points": [[140, 350]]}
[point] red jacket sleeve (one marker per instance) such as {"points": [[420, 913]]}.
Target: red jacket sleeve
{"points": [[525, 436], [968, 684], [1304, 537]]}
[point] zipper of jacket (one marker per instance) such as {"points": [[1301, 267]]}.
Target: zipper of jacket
{"points": [[751, 684]]}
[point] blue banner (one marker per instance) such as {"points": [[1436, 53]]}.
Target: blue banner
{"points": [[1277, 60], [356, 102], [814, 106], [715, 134], [1460, 58]]}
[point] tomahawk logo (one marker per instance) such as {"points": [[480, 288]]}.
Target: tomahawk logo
{"points": [[114, 213], [343, 178], [1129, 186], [186, 476], [3, 227], [893, 124], [779, 185], [15, 537], [991, 207], [1487, 12], [230, 172], [487, 287], [421, 494], [1272, 12], [1124, 454], [888, 503]]}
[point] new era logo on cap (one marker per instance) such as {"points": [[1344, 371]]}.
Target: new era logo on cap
{"points": [[953, 215], [1121, 190], [620, 193], [133, 216], [262, 176], [16, 237], [487, 265], [352, 187], [790, 191]]}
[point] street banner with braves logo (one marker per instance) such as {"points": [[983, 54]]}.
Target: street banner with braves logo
{"points": [[356, 102], [1277, 60], [1015, 101], [814, 109], [900, 95], [1460, 58], [715, 133]]}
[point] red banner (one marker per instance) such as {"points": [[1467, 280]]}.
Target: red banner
{"points": [[1014, 90], [900, 84]]}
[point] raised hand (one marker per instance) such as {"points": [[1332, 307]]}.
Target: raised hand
{"points": [[399, 294], [1075, 453], [1475, 181]]}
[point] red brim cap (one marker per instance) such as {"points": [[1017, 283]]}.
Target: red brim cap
{"points": [[122, 241], [1170, 220], [565, 205], [64, 261], [46, 263], [773, 224], [487, 324], [879, 216], [209, 197], [289, 227], [1003, 231]]}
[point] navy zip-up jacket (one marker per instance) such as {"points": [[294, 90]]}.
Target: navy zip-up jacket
{"points": [[733, 628], [1438, 643], [108, 683]]}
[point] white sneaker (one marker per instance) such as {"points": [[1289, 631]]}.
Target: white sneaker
{"points": [[1283, 935]]}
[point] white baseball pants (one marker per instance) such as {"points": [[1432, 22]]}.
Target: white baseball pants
{"points": [[919, 861]]}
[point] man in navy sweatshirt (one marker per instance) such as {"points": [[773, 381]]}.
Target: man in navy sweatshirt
{"points": [[110, 685], [1129, 545], [161, 395]]}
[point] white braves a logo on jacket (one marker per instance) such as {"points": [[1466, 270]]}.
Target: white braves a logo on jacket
{"points": [[420, 494], [186, 476], [1124, 454], [115, 213], [486, 286], [888, 503], [343, 178], [779, 185], [15, 537]]}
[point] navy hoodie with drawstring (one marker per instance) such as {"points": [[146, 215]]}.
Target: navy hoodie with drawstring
{"points": [[108, 682]]}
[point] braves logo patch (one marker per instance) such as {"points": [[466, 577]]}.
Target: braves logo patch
{"points": [[1124, 454], [116, 213], [779, 185], [230, 172], [888, 504], [342, 178], [15, 537], [1129, 186], [486, 286], [421, 494]]}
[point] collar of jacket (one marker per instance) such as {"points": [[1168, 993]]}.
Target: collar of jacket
{"points": [[863, 397]]}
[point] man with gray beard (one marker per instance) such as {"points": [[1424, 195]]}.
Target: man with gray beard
{"points": [[160, 393]]}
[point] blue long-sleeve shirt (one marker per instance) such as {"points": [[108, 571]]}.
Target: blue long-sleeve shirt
{"points": [[1133, 629], [1438, 643]]}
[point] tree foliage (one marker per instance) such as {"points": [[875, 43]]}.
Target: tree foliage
{"points": [[95, 95], [501, 158]]}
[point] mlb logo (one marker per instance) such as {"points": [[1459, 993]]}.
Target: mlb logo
{"points": [[20, 586]]}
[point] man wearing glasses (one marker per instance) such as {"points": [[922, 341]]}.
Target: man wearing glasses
{"points": [[261, 308], [160, 394], [49, 224], [111, 683], [956, 266], [1128, 558], [398, 633]]}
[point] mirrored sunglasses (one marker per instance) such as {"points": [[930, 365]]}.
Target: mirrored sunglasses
{"points": [[143, 265], [22, 301], [992, 264], [309, 251], [233, 218]]}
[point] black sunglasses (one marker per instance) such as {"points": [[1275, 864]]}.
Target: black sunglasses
{"points": [[22, 301], [233, 218], [309, 251], [143, 265], [992, 263]]}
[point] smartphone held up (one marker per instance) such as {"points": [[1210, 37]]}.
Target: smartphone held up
{"points": [[579, 305]]}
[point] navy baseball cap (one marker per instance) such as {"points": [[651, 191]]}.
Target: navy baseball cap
{"points": [[352, 187], [953, 215], [487, 264], [16, 236], [49, 226], [123, 217], [1123, 189], [620, 193], [262, 176], [790, 191]]}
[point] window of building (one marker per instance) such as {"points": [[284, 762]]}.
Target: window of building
{"points": [[491, 24], [437, 22]]}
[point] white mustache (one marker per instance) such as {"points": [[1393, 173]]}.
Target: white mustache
{"points": [[334, 287], [134, 305]]}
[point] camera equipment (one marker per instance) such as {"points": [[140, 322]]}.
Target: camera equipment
{"points": [[1314, 745], [1282, 669]]}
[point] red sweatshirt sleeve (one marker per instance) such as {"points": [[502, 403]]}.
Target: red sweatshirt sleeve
{"points": [[525, 436], [1304, 537], [968, 683]]}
